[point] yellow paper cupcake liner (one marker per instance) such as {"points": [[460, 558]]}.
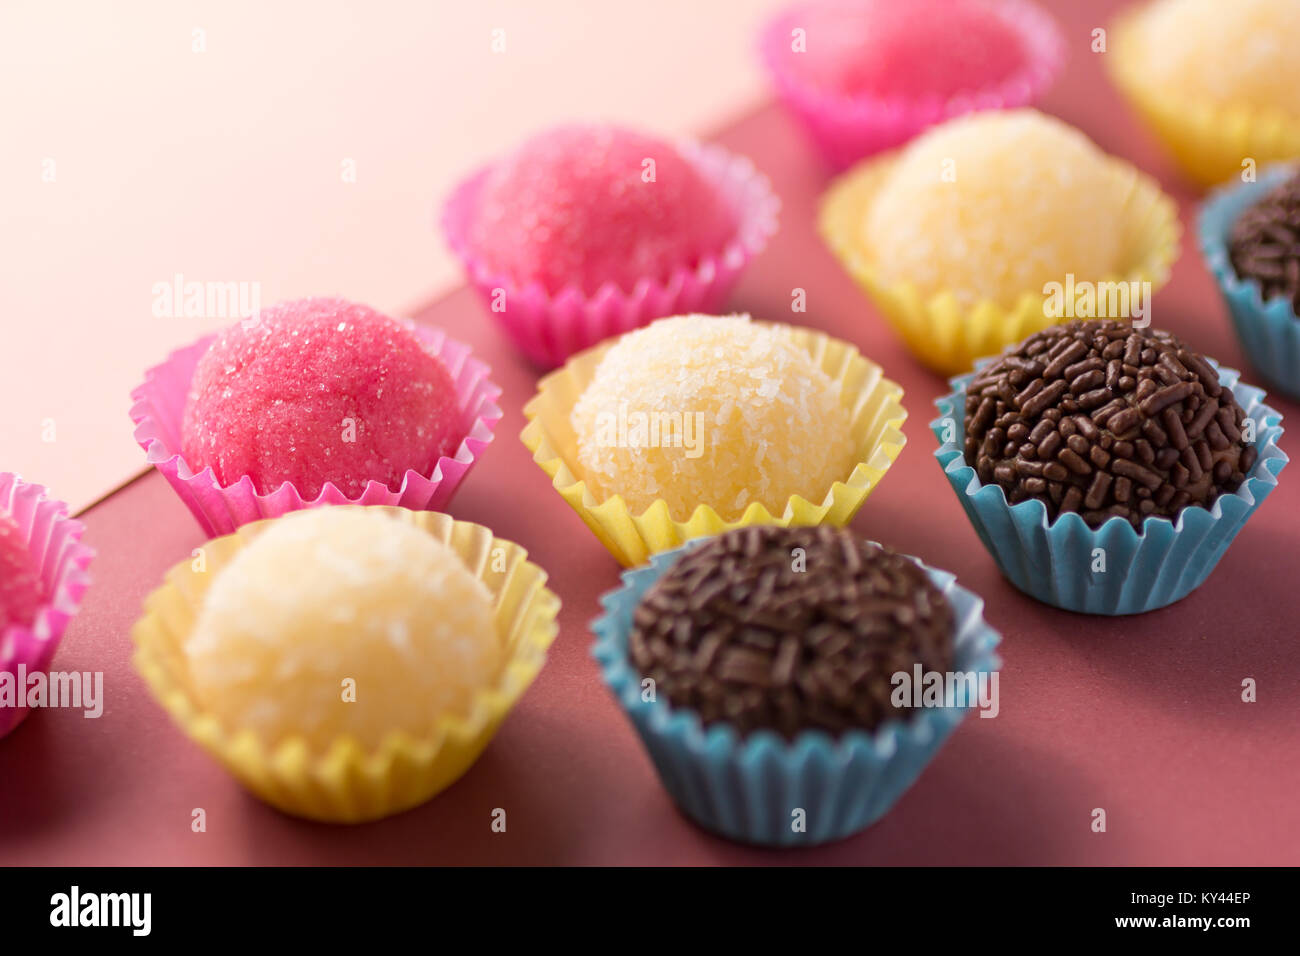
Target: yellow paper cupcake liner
{"points": [[947, 336], [347, 784], [877, 421], [1208, 142]]}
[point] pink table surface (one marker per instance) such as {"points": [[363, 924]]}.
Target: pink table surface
{"points": [[1140, 716]]}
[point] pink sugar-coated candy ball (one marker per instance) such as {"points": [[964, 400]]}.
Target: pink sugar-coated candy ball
{"points": [[316, 391], [21, 593], [908, 50], [582, 206]]}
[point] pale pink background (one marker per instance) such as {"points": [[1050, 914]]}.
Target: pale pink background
{"points": [[227, 165]]}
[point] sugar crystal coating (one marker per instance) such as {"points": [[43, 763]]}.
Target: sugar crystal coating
{"points": [[711, 410], [585, 205], [790, 629], [333, 595], [1238, 53], [921, 48], [994, 205], [1106, 420], [21, 591], [316, 391]]}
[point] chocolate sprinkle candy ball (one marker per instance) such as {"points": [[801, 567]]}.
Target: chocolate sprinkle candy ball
{"points": [[1105, 420], [789, 629], [1265, 243]]}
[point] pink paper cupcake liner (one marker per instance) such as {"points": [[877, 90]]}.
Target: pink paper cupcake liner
{"points": [[548, 328], [159, 407], [54, 541], [847, 128]]}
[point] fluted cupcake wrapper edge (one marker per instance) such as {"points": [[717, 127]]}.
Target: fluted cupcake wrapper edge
{"points": [[948, 336], [1269, 332], [63, 562], [549, 327], [1209, 142], [846, 129], [754, 790], [348, 783], [158, 407], [1134, 572], [632, 537]]}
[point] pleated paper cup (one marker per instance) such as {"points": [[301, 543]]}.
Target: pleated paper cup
{"points": [[946, 336], [1269, 332], [749, 789], [877, 422], [1208, 142], [1056, 562], [847, 128], [548, 327], [62, 564], [158, 409], [348, 783]]}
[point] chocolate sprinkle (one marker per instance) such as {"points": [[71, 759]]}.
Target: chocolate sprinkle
{"points": [[1265, 243], [1159, 434], [744, 631]]}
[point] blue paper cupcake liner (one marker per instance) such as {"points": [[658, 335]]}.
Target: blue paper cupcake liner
{"points": [[1269, 332], [1136, 572], [751, 789]]}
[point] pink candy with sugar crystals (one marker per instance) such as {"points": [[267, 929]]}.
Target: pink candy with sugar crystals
{"points": [[316, 391], [911, 50], [864, 76], [586, 205]]}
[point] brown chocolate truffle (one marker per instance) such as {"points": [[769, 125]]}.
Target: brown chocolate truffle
{"points": [[789, 629], [1265, 243], [1104, 419]]}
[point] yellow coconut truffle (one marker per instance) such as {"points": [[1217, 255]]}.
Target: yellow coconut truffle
{"points": [[711, 410], [1222, 52], [994, 205], [333, 599]]}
